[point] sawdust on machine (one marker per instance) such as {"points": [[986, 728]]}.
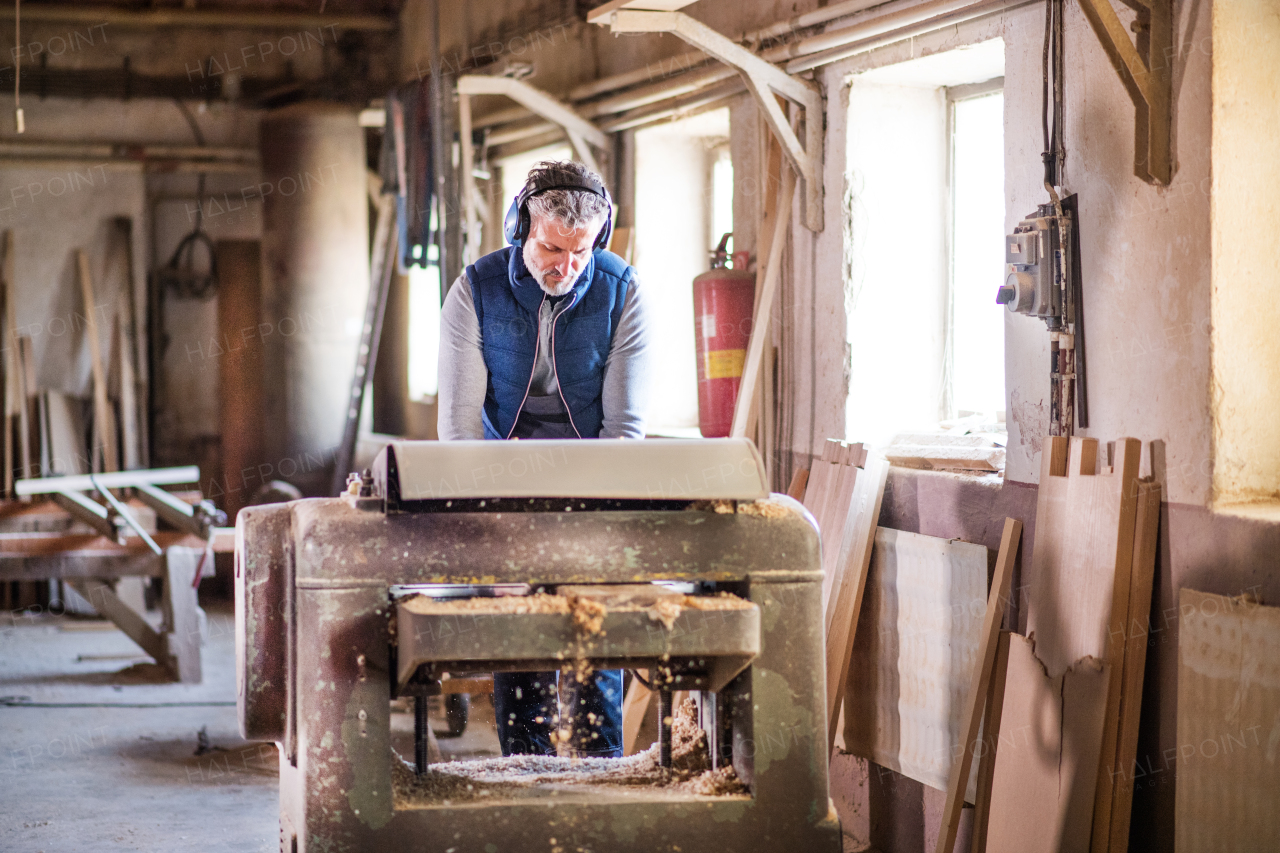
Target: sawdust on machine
{"points": [[588, 613], [764, 508], [520, 775]]}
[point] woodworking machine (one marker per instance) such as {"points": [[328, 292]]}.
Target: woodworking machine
{"points": [[340, 609]]}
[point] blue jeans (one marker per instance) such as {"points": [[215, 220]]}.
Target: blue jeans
{"points": [[525, 705]]}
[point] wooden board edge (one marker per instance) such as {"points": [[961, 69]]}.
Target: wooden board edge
{"points": [[1135, 658], [989, 644]]}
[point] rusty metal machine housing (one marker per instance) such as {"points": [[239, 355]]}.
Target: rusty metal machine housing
{"points": [[323, 645]]}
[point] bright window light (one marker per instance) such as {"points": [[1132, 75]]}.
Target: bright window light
{"points": [[721, 196], [424, 331], [977, 323]]}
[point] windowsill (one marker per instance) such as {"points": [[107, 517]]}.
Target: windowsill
{"points": [[1262, 510]]}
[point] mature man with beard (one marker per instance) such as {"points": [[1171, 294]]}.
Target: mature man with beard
{"points": [[547, 338]]}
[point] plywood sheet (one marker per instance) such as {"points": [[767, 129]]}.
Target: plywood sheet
{"points": [[914, 658], [1083, 548], [1228, 757], [1043, 785]]}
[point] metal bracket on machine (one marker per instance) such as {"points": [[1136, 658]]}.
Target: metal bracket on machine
{"points": [[763, 79], [1145, 68], [582, 133]]}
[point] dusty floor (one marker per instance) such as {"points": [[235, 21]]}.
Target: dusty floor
{"points": [[81, 772], [97, 745]]}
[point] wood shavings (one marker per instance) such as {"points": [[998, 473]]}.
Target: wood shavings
{"points": [[665, 611], [765, 509], [588, 615], [532, 775], [719, 601], [723, 507]]}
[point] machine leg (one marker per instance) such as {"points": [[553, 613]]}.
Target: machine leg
{"points": [[665, 718], [421, 733]]}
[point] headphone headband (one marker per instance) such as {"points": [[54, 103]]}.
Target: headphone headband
{"points": [[516, 224]]}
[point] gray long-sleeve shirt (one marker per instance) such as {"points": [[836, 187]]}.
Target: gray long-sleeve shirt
{"points": [[464, 378]]}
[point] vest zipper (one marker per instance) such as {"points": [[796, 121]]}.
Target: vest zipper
{"points": [[537, 344], [559, 390]]}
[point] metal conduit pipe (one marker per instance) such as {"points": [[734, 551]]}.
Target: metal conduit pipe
{"points": [[667, 110], [630, 78], [516, 132], [812, 19], [889, 23], [880, 24], [690, 81], [866, 43], [685, 61]]}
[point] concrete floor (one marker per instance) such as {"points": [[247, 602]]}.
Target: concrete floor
{"points": [[79, 771], [97, 746]]}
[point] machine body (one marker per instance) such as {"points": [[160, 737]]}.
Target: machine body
{"points": [[323, 644]]}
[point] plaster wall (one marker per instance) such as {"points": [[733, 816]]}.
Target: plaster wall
{"points": [[1246, 222], [54, 208], [1156, 262]]}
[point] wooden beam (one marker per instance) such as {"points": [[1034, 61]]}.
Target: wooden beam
{"points": [[850, 583], [104, 600], [764, 80], [997, 601], [764, 308], [602, 13], [103, 419], [1148, 78], [100, 15], [1135, 660], [535, 100]]}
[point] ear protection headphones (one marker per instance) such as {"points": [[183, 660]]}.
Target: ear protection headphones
{"points": [[515, 225]]}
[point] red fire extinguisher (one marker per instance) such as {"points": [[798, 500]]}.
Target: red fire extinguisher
{"points": [[723, 305]]}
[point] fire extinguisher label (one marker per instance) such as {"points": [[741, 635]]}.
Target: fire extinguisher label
{"points": [[724, 363]]}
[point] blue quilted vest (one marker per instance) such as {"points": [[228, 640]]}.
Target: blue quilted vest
{"points": [[507, 301]]}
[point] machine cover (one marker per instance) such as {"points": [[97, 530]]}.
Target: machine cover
{"points": [[653, 469]]}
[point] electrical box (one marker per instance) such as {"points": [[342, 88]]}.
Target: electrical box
{"points": [[1038, 277]]}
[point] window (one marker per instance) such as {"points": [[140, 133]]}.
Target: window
{"points": [[975, 337], [424, 331], [926, 220]]}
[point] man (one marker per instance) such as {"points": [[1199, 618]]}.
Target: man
{"points": [[547, 339]]}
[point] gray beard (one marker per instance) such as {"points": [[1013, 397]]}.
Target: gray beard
{"points": [[551, 289]]}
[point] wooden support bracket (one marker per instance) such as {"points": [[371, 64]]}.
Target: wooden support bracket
{"points": [[764, 80], [176, 646], [1145, 68]]}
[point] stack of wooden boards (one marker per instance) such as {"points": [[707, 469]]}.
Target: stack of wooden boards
{"points": [[1228, 725], [844, 492], [1061, 714], [48, 425]]}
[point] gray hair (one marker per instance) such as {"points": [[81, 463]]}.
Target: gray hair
{"points": [[573, 208]]}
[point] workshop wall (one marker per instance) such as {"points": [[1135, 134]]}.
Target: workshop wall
{"points": [[1146, 257], [59, 206]]}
